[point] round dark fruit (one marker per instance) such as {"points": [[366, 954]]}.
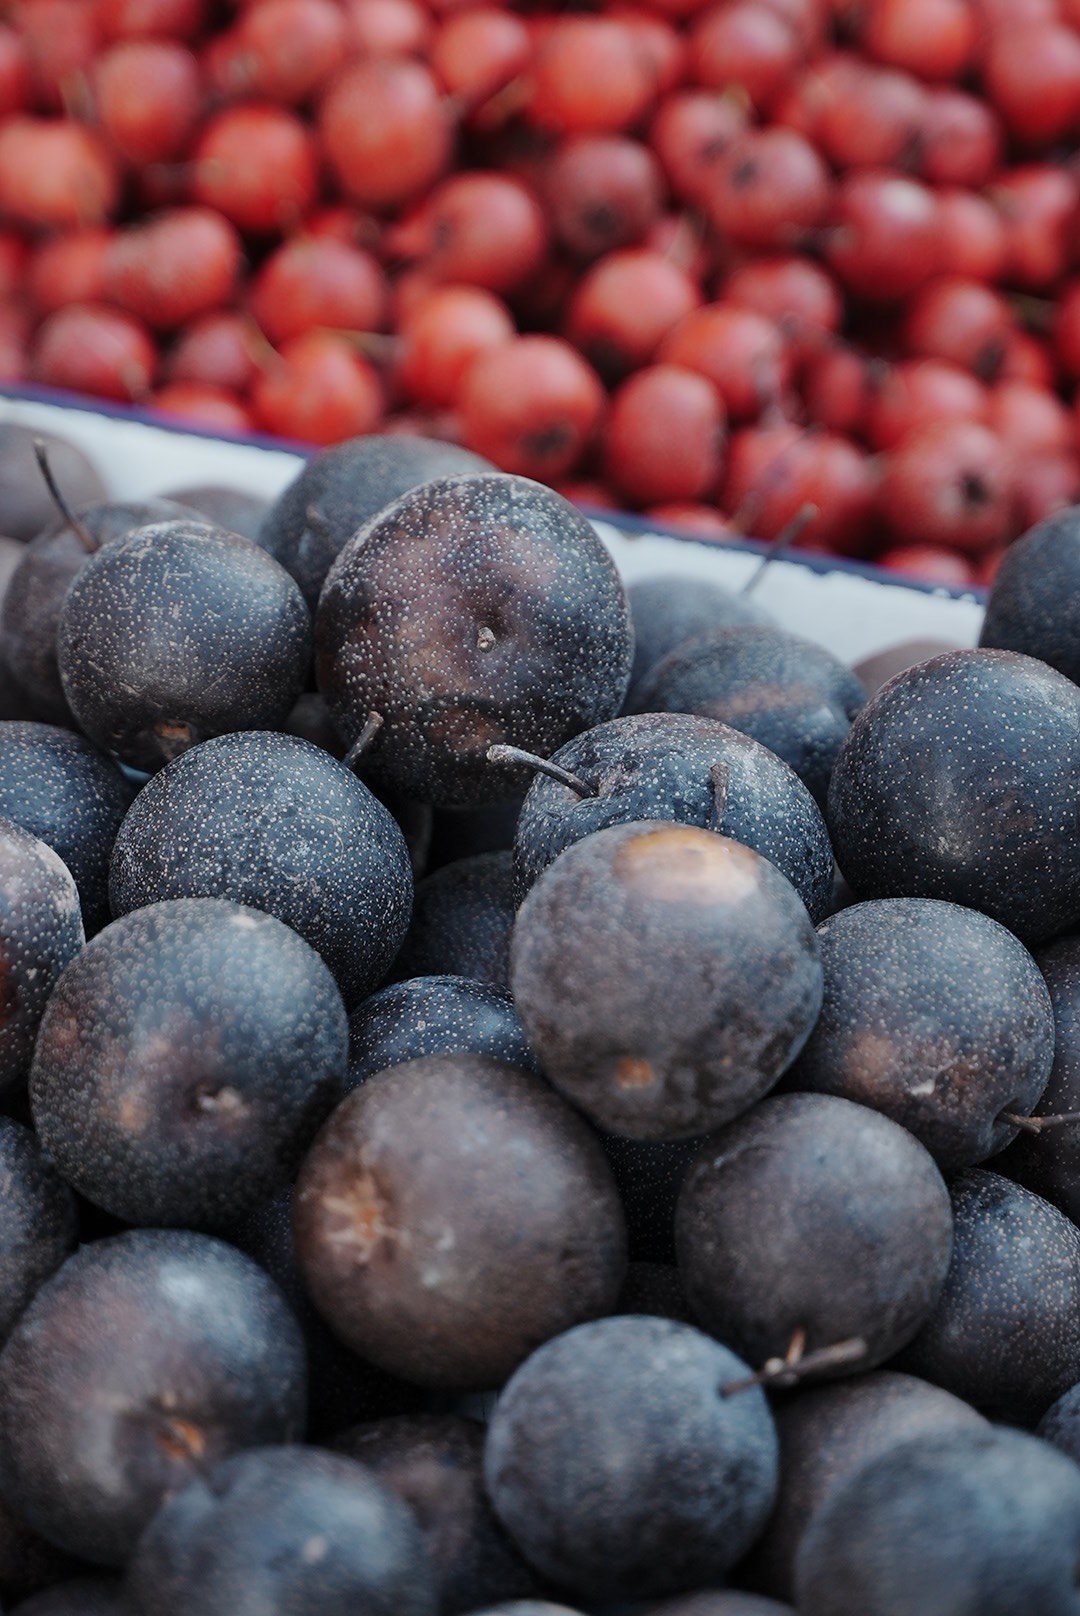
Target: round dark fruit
{"points": [[41, 931], [934, 1015], [957, 1523], [186, 1060], [670, 1476], [230, 508], [434, 1015], [669, 608], [816, 1221], [791, 695], [960, 781], [177, 633], [1033, 600], [475, 611], [26, 505], [666, 977], [463, 915], [1005, 1333], [452, 1215], [435, 1464], [282, 1529], [144, 1359], [63, 790], [38, 1223], [691, 771], [1048, 1161], [82, 1596], [30, 616], [275, 823], [341, 488], [826, 1434]]}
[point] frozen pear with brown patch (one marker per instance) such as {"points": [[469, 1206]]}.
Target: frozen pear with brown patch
{"points": [[666, 976]]}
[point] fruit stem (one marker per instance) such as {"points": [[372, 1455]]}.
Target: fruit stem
{"points": [[75, 523], [514, 754], [1040, 1124], [784, 540], [797, 1363], [354, 756]]}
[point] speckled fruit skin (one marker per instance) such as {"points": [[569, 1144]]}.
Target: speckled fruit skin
{"points": [[231, 508], [186, 1060], [670, 608], [82, 1596], [30, 618], [960, 780], [691, 771], [666, 1483], [475, 610], [1005, 1334], [451, 1216], [964, 1523], [25, 502], [273, 822], [934, 1015], [791, 695], [60, 788], [340, 489], [665, 976], [435, 1464], [176, 633], [1049, 1163], [434, 1015], [462, 919], [38, 1221], [144, 1358], [282, 1529], [812, 1213], [1034, 604], [826, 1434], [41, 931]]}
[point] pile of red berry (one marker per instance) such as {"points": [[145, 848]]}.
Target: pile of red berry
{"points": [[717, 260]]}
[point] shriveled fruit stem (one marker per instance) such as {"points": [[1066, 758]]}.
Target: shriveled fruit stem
{"points": [[514, 754], [1040, 1124], [797, 1364], [75, 523]]}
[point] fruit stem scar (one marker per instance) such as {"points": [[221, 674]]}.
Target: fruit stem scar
{"points": [[1039, 1124], [514, 754], [797, 1363], [363, 741], [75, 523]]}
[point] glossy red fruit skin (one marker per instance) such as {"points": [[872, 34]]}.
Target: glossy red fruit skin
{"points": [[1039, 205], [934, 39], [589, 74], [664, 436], [689, 134], [959, 320], [203, 406], [280, 50], [798, 295], [949, 483], [883, 240], [929, 564], [625, 305], [174, 267], [475, 229], [1032, 75], [916, 392], [385, 131], [55, 174], [320, 391], [739, 351], [310, 282], [961, 139], [973, 239], [90, 348], [218, 350], [440, 337], [148, 96], [257, 165], [747, 47], [770, 188], [531, 406]]}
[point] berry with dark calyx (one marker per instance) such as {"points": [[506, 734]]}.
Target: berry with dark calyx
{"points": [[26, 505], [670, 1479], [671, 766], [934, 1015], [58, 786], [463, 915], [669, 608], [192, 1354], [185, 1062], [654, 1288], [1031, 607], [791, 695], [434, 1015], [39, 1225], [287, 1528], [232, 508], [452, 1215], [646, 1052], [271, 821], [176, 633], [826, 1434], [340, 489], [434, 1463], [30, 617], [41, 931], [959, 781], [1047, 1159], [1005, 1333], [82, 1596], [475, 610], [954, 1523], [813, 1218]]}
